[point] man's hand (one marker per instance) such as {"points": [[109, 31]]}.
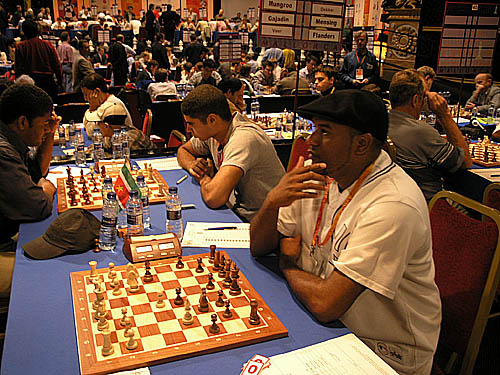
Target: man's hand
{"points": [[292, 185], [470, 106], [48, 187], [289, 251], [199, 167], [54, 122], [357, 82], [437, 104], [365, 81]]}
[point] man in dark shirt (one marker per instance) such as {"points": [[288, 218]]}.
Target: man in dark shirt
{"points": [[169, 21], [26, 119], [159, 52], [118, 60], [192, 52], [38, 59], [150, 22]]}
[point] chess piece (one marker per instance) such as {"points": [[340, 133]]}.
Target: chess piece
{"points": [[212, 254], [101, 313], [179, 264], [210, 284], [187, 319], [132, 276], [235, 289], [178, 301], [222, 270], [116, 286], [97, 249], [203, 305], [160, 303], [148, 277], [103, 171], [217, 261], [199, 268], [227, 312], [227, 282], [123, 320], [220, 300], [161, 190], [131, 343], [107, 346], [111, 270], [254, 316], [93, 270], [214, 328]]}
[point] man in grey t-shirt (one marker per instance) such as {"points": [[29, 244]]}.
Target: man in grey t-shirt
{"points": [[420, 149], [245, 165]]}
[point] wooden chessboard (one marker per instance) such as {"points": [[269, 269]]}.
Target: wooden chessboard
{"points": [[63, 200], [478, 154], [161, 335]]}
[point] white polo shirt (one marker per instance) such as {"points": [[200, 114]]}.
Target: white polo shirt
{"points": [[383, 242]]}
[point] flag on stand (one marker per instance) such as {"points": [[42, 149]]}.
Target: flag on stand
{"points": [[125, 182]]}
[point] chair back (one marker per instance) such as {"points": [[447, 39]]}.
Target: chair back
{"points": [[148, 121], [466, 257], [176, 139], [166, 97], [300, 147], [132, 101], [301, 92], [390, 148], [491, 196]]}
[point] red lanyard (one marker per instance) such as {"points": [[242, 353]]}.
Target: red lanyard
{"points": [[362, 61], [220, 154], [355, 189]]}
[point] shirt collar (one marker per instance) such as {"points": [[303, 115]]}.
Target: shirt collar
{"points": [[14, 140]]}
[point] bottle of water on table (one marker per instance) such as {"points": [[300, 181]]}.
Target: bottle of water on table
{"points": [[98, 145], [80, 159], [146, 216], [134, 215], [277, 134], [107, 234], [72, 134], [174, 214], [62, 136], [116, 143], [491, 115], [125, 143], [107, 187]]}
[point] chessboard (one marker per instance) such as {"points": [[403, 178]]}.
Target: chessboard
{"points": [[87, 189], [485, 153], [155, 321]]}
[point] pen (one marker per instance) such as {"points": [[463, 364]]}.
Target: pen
{"points": [[495, 175], [181, 179], [188, 206], [221, 228]]}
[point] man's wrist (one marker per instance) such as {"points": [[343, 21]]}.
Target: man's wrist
{"points": [[287, 262]]}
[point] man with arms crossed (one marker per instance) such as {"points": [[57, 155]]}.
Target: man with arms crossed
{"points": [[245, 165], [354, 236]]}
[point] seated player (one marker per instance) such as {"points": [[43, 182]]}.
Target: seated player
{"points": [[161, 85], [95, 92], [428, 74], [288, 82], [207, 75], [26, 120], [354, 236], [485, 95], [233, 89], [264, 78], [420, 149], [112, 116], [245, 164], [324, 80]]}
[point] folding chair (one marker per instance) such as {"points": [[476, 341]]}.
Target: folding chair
{"points": [[176, 139], [146, 129], [466, 256], [491, 197], [300, 147]]}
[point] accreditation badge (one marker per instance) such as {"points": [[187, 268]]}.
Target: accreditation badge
{"points": [[359, 74]]}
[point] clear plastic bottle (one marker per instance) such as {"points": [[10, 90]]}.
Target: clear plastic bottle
{"points": [[79, 137], [116, 143], [107, 187], [134, 214], [107, 233], [125, 143], [98, 145], [80, 159], [72, 134], [491, 115], [278, 129], [173, 212], [423, 116], [146, 216], [431, 119], [62, 136]]}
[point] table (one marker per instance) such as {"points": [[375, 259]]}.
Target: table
{"points": [[41, 337]]}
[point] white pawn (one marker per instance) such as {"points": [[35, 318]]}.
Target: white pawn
{"points": [[107, 346], [187, 319], [93, 270], [116, 286], [111, 272], [160, 303], [123, 320], [101, 313], [129, 332]]}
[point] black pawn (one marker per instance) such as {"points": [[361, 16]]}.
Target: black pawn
{"points": [[227, 282], [199, 268], [235, 289], [147, 275], [179, 264], [203, 306], [210, 284], [220, 300], [254, 316], [227, 313], [214, 328], [212, 254], [178, 301]]}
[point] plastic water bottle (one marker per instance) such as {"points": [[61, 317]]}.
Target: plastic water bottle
{"points": [[72, 134], [431, 119], [125, 143], [255, 108], [134, 214], [107, 187], [98, 145], [80, 159], [107, 233], [116, 143], [423, 116], [491, 115], [146, 216], [174, 214], [277, 134], [62, 136]]}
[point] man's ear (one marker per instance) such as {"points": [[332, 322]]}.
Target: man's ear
{"points": [[364, 143], [22, 123], [212, 119]]}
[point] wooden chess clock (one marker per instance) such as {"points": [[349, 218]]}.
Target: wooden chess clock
{"points": [[154, 247]]}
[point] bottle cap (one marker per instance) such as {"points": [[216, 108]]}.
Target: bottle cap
{"points": [[111, 195], [172, 189], [108, 180], [134, 194], [140, 178]]}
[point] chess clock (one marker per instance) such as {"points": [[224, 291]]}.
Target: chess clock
{"points": [[154, 247]]}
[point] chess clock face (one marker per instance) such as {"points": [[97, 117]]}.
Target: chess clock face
{"points": [[404, 39]]}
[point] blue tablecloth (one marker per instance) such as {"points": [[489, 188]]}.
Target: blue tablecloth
{"points": [[41, 337]]}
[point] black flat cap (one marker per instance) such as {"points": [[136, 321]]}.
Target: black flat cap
{"points": [[360, 110]]}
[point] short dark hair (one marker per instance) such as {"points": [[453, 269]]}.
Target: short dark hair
{"points": [[205, 100], [193, 37], [24, 100], [268, 63], [30, 28], [5, 83], [207, 63], [81, 42], [327, 70], [313, 57], [187, 66], [151, 63], [64, 36], [231, 84], [159, 37], [245, 70], [161, 75], [94, 81], [405, 84]]}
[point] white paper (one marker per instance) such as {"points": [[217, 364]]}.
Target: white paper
{"points": [[137, 371], [164, 164], [61, 171], [492, 174], [197, 235], [343, 355]]}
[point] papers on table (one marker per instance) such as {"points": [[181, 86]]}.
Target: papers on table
{"points": [[343, 355], [492, 174], [137, 371], [164, 164], [233, 235], [60, 172]]}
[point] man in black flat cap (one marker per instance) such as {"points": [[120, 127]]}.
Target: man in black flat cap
{"points": [[353, 235]]}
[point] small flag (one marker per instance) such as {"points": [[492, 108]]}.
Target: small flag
{"points": [[125, 182]]}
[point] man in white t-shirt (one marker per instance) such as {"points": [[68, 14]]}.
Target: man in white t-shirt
{"points": [[354, 235]]}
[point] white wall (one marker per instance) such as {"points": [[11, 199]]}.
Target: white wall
{"points": [[231, 7]]}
